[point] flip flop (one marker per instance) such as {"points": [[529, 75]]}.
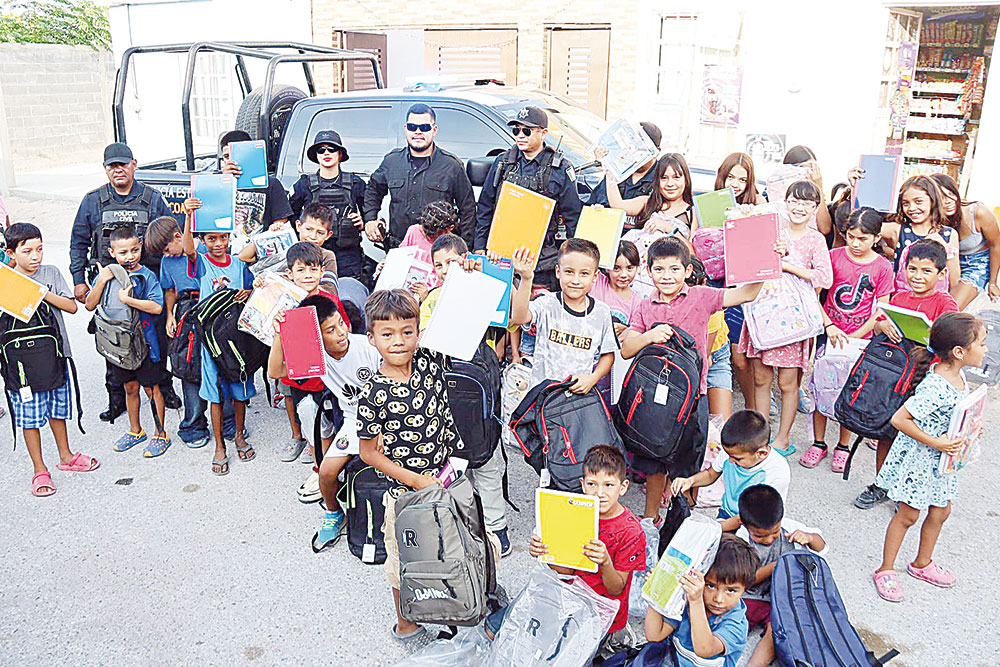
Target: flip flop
{"points": [[409, 635], [241, 451], [42, 480], [220, 463], [787, 451], [80, 463]]}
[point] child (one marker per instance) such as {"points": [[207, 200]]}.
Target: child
{"points": [[146, 296], [770, 534], [315, 226], [412, 457], [719, 377], [909, 472], [860, 278], [925, 268], [689, 308], [446, 249], [670, 207], [736, 172], [436, 218], [216, 269], [350, 358], [614, 287], [713, 629], [32, 409], [620, 546], [921, 216], [575, 337], [808, 258], [746, 459]]}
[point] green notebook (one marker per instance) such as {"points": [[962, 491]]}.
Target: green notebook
{"points": [[913, 324], [712, 206]]}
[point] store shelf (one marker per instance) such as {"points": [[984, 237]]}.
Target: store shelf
{"points": [[946, 45], [942, 70], [929, 158], [931, 91], [943, 134]]}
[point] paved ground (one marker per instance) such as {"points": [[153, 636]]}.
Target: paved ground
{"points": [[181, 567]]}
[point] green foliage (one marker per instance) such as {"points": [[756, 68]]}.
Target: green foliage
{"points": [[55, 22]]}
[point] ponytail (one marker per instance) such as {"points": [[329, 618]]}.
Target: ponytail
{"points": [[949, 331]]}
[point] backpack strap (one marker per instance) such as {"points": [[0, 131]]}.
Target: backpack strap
{"points": [[505, 481], [850, 457], [10, 411], [76, 390], [878, 662]]}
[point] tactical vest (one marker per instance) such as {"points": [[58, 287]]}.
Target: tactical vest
{"points": [[336, 196], [114, 214], [549, 160]]}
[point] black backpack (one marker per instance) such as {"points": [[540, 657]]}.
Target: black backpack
{"points": [[556, 428], [880, 382], [32, 354], [360, 498], [184, 349], [236, 354], [659, 396], [474, 399]]}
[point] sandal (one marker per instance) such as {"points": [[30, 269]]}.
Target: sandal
{"points": [[80, 463], [933, 574], [42, 480], [813, 456], [887, 586], [840, 457], [222, 465], [787, 451], [246, 453]]}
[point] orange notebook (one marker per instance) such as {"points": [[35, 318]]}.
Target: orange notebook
{"points": [[520, 218], [302, 343], [19, 294]]}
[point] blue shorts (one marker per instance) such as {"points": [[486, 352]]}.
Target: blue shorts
{"points": [[216, 390], [976, 268], [720, 373], [44, 405]]}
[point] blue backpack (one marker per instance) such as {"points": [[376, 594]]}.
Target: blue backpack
{"points": [[808, 618]]}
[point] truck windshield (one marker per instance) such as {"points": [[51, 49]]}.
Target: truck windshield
{"points": [[573, 129]]}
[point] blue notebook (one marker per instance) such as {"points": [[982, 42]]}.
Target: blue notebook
{"points": [[504, 272], [251, 158], [878, 189], [217, 193]]}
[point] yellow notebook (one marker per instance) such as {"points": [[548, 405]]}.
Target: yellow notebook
{"points": [[520, 218], [604, 227], [567, 521], [19, 294]]}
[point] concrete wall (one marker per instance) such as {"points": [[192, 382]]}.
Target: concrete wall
{"points": [[56, 104]]}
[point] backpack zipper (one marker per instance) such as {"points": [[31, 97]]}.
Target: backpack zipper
{"points": [[568, 453], [190, 350], [635, 404], [795, 613], [861, 385], [371, 521], [486, 411], [810, 596]]}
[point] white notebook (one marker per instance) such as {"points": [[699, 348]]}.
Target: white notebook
{"points": [[467, 305]]}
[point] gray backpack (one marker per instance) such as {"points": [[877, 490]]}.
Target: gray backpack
{"points": [[447, 567], [118, 327]]}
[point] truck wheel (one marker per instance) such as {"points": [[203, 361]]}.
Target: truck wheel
{"points": [[248, 117]]}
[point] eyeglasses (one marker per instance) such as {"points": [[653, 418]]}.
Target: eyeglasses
{"points": [[801, 204], [521, 129], [423, 127], [322, 150]]}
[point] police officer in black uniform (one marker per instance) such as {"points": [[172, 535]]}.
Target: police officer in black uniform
{"points": [[119, 202], [342, 192], [415, 176], [533, 165]]}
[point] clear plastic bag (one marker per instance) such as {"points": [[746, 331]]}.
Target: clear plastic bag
{"points": [[693, 546], [552, 622], [468, 648], [636, 605]]}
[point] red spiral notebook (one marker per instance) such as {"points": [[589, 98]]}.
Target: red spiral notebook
{"points": [[302, 343]]}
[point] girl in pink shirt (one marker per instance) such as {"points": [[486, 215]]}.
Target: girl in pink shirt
{"points": [[436, 219], [614, 287]]}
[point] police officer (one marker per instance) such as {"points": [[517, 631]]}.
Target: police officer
{"points": [[415, 176], [342, 192], [533, 165], [121, 201]]}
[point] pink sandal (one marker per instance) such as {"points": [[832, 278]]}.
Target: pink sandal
{"points": [[839, 462], [887, 586], [932, 574], [80, 463], [42, 480], [813, 456]]}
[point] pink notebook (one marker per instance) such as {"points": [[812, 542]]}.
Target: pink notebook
{"points": [[749, 249], [302, 343]]}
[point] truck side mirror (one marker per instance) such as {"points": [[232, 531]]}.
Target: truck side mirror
{"points": [[478, 168]]}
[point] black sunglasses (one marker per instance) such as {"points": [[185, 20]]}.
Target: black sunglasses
{"points": [[326, 149], [521, 129], [423, 127]]}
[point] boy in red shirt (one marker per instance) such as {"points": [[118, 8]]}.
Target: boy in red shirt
{"points": [[925, 265], [688, 308], [620, 547]]}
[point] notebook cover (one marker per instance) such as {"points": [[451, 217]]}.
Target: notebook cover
{"points": [[749, 249], [302, 343], [217, 193], [966, 423], [19, 294], [913, 324], [628, 146], [252, 160], [504, 272], [604, 227], [567, 521], [878, 189], [520, 218], [712, 206], [469, 298]]}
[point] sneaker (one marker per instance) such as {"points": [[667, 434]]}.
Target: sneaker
{"points": [[199, 443], [805, 403], [292, 449], [277, 400], [870, 497], [840, 456], [505, 548], [129, 440], [158, 446], [307, 456], [329, 532], [775, 408]]}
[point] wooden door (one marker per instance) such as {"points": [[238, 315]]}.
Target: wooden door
{"points": [[472, 54], [578, 65]]}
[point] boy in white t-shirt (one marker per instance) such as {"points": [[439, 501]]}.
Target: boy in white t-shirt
{"points": [[746, 460], [350, 362]]}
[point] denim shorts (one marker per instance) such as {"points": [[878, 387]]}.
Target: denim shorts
{"points": [[976, 268], [720, 373]]}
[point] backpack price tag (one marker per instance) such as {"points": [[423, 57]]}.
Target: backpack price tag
{"points": [[26, 394], [661, 394], [368, 553], [544, 478]]}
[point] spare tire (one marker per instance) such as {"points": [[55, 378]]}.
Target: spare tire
{"points": [[248, 118]]}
